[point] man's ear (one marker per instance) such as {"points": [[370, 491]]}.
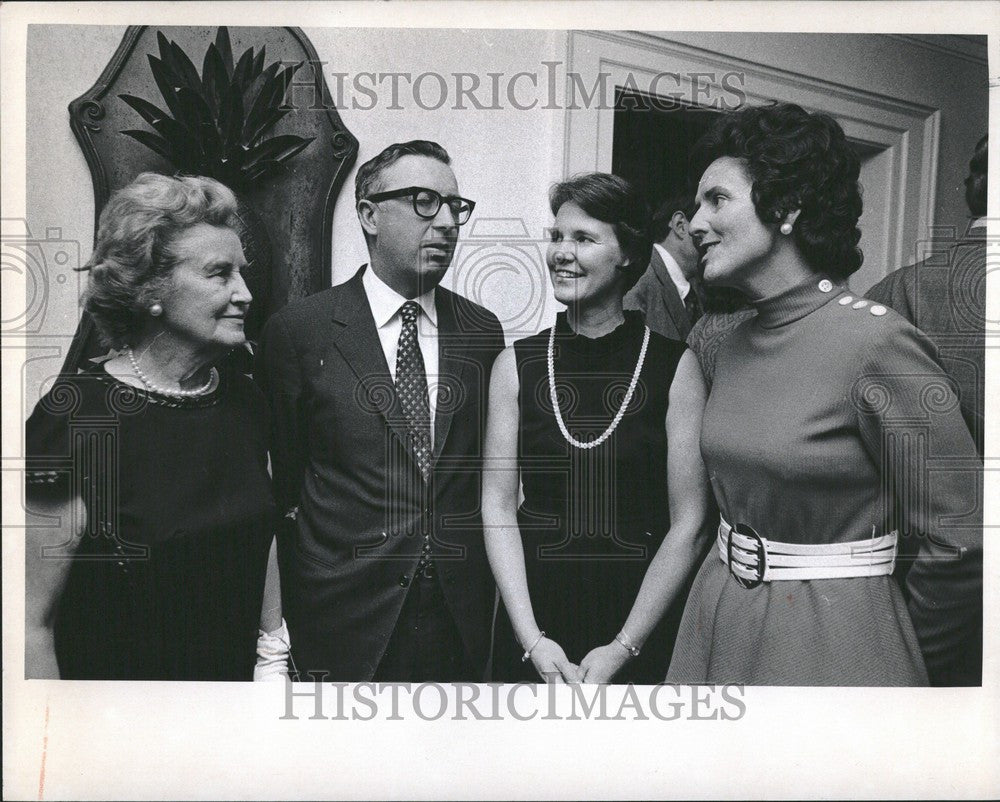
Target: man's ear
{"points": [[679, 225], [368, 215]]}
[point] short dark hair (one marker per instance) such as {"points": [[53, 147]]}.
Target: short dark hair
{"points": [[796, 160], [683, 202], [613, 200], [133, 259], [975, 182], [366, 182]]}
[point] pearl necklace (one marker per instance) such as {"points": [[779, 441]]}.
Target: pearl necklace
{"points": [[213, 375], [621, 410]]}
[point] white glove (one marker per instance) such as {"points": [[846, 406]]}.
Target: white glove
{"points": [[272, 654]]}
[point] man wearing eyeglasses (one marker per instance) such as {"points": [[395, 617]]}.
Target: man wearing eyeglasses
{"points": [[378, 394]]}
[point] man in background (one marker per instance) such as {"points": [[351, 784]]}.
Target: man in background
{"points": [[944, 295], [668, 293]]}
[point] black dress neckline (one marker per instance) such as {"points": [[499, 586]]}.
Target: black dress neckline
{"points": [[622, 336], [160, 399]]}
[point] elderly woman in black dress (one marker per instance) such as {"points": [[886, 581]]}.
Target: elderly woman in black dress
{"points": [[598, 418], [827, 414], [151, 468]]}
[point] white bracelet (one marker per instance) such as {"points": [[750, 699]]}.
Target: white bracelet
{"points": [[623, 638], [527, 654]]}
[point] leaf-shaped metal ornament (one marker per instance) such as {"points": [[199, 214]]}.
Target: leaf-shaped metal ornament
{"points": [[205, 131], [169, 128], [212, 77], [233, 124], [264, 126], [150, 113], [241, 75], [163, 45], [278, 148], [261, 170], [259, 105], [215, 123], [225, 49], [165, 82], [184, 69], [153, 142], [258, 62]]}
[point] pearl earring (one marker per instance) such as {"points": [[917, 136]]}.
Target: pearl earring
{"points": [[786, 228], [156, 309]]}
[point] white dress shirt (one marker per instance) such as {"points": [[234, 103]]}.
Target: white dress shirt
{"points": [[674, 271], [385, 303]]}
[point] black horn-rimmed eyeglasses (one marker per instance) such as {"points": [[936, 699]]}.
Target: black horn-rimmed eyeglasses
{"points": [[427, 202]]}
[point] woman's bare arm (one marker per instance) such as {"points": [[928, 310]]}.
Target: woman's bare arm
{"points": [[48, 556]]}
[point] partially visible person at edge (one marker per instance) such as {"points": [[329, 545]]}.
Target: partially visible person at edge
{"points": [[810, 408], [598, 418], [944, 296], [153, 463], [669, 292]]}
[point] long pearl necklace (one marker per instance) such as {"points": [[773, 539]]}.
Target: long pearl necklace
{"points": [[621, 410], [155, 388]]}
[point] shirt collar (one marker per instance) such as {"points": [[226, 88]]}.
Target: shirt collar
{"points": [[385, 301], [674, 271]]}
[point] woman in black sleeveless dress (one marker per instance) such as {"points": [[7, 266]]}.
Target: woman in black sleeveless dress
{"points": [[599, 418]]}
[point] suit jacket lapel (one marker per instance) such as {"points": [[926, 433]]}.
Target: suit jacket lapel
{"points": [[358, 343], [451, 366], [671, 297]]}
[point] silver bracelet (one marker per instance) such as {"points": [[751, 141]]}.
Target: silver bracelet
{"points": [[626, 641], [527, 654]]}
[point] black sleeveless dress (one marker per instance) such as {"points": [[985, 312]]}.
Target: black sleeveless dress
{"points": [[168, 578], [592, 519]]}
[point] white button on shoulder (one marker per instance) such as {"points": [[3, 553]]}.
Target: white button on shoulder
{"points": [[860, 304], [878, 310], [826, 285], [845, 300]]}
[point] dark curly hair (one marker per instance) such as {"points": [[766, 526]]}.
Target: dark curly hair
{"points": [[796, 160], [613, 200]]}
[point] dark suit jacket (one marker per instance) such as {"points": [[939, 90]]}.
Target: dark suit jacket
{"points": [[656, 296], [945, 297], [339, 456]]}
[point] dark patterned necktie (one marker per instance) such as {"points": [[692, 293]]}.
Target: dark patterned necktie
{"points": [[411, 387], [693, 306]]}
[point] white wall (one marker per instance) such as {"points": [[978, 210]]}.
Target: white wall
{"points": [[63, 62], [504, 159]]}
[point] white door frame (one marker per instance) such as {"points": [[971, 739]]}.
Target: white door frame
{"points": [[906, 133]]}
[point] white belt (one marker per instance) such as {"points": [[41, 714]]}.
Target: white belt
{"points": [[753, 559]]}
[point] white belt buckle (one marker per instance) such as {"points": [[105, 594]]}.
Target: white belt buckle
{"points": [[748, 532]]}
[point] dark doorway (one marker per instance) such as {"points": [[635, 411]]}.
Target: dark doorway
{"points": [[652, 139]]}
